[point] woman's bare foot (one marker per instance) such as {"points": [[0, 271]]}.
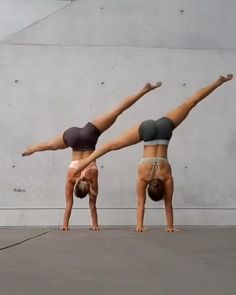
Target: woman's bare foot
{"points": [[148, 86], [28, 152], [226, 78]]}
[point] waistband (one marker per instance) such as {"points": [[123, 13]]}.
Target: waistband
{"points": [[157, 142], [154, 160], [75, 164]]}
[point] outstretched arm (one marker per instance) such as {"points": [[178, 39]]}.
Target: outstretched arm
{"points": [[70, 182], [141, 199]]}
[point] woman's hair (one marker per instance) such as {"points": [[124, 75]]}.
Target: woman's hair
{"points": [[156, 189], [81, 188]]}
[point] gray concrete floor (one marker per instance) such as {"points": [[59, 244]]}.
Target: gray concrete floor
{"points": [[196, 260]]}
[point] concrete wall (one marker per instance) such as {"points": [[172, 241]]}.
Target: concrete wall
{"points": [[16, 15], [79, 62]]}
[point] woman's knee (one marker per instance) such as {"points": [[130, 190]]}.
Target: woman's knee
{"points": [[115, 113], [52, 145]]}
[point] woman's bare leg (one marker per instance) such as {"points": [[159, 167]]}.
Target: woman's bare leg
{"points": [[128, 138], [181, 112], [54, 144], [105, 121]]}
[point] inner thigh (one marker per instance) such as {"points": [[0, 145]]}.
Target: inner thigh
{"points": [[58, 142], [178, 115], [105, 121], [128, 138]]}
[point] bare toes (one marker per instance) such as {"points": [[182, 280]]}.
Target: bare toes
{"points": [[149, 86], [229, 76], [26, 153], [226, 78]]}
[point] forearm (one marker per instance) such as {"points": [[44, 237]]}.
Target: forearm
{"points": [[169, 216], [67, 214], [94, 216], [141, 186], [140, 216], [69, 199]]}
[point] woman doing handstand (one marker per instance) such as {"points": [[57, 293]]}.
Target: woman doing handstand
{"points": [[154, 172], [83, 141]]}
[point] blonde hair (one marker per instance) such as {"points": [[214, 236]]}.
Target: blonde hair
{"points": [[81, 188]]}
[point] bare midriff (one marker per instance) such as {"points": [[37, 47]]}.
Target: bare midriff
{"points": [[80, 155], [152, 151]]}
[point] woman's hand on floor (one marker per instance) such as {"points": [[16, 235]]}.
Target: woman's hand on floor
{"points": [[141, 229], [64, 228], [171, 230], [95, 228]]}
